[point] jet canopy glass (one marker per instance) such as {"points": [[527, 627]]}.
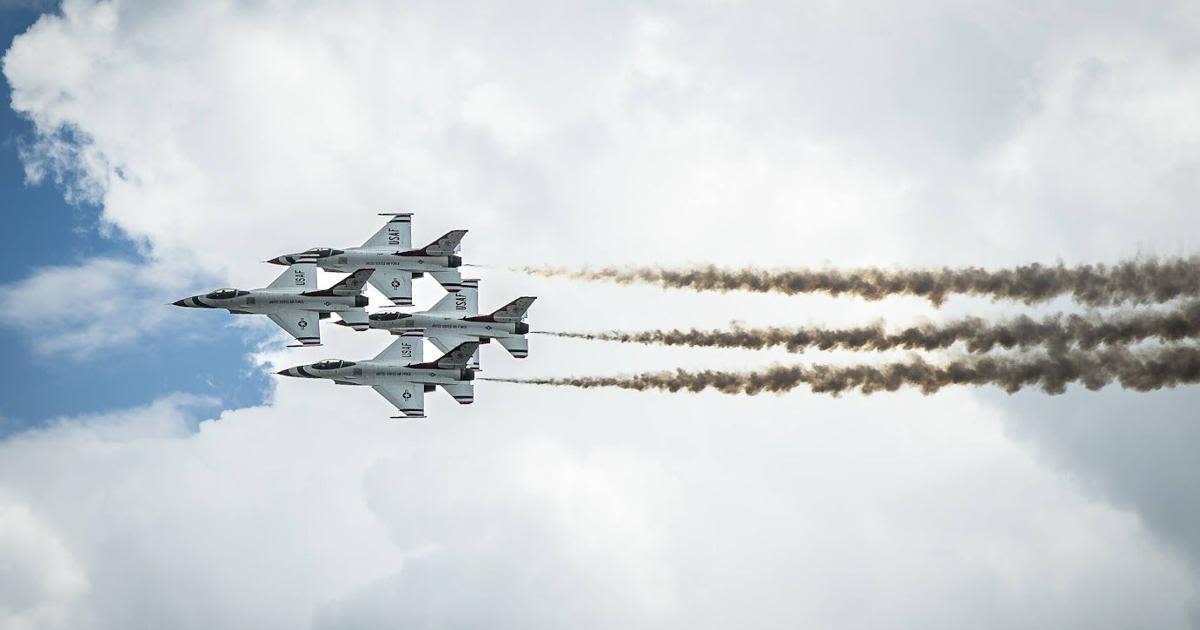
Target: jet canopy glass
{"points": [[331, 364], [388, 316], [225, 294], [324, 252]]}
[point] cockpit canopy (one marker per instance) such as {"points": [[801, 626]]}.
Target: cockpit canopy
{"points": [[324, 252], [387, 316], [225, 294], [331, 364]]}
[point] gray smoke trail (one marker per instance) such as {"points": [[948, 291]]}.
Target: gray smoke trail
{"points": [[977, 335], [1142, 371], [1140, 281]]}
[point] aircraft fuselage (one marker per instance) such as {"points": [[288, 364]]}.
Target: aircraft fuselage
{"points": [[263, 301], [381, 258], [433, 324], [383, 373]]}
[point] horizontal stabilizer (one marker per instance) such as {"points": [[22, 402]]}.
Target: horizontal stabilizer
{"points": [[464, 393], [355, 318], [516, 346]]}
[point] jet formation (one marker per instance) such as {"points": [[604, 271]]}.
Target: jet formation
{"points": [[388, 262]]}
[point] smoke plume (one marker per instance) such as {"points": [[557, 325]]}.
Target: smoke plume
{"points": [[976, 334], [1139, 281], [1142, 371]]}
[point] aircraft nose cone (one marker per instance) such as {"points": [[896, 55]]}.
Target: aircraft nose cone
{"points": [[179, 303], [278, 260], [287, 372]]}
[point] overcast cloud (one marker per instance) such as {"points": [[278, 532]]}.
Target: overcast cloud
{"points": [[220, 134]]}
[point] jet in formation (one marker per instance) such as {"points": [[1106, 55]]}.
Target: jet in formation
{"points": [[400, 374], [455, 320], [389, 252], [389, 263], [294, 303]]}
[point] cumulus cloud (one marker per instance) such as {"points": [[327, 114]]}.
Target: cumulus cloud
{"points": [[73, 311], [314, 511], [795, 134]]}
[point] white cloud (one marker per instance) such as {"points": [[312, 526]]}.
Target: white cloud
{"points": [[41, 580], [314, 510], [222, 134], [75, 311]]}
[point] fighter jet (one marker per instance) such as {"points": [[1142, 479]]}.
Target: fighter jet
{"points": [[400, 376], [389, 252], [455, 320], [293, 301]]}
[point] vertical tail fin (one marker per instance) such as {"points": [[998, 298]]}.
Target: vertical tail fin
{"points": [[397, 232], [464, 303], [299, 277]]}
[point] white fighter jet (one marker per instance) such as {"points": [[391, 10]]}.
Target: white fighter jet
{"points": [[293, 301], [456, 320], [389, 252], [400, 376]]}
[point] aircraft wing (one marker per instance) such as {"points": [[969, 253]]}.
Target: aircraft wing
{"points": [[305, 326], [446, 343], [397, 233], [408, 398], [394, 285]]}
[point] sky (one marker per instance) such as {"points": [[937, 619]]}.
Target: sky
{"points": [[46, 232], [154, 473]]}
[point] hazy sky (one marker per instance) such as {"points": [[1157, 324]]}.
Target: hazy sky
{"points": [[210, 136]]}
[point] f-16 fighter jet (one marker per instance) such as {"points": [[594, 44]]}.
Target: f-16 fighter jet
{"points": [[399, 375], [456, 320], [395, 262], [293, 301]]}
